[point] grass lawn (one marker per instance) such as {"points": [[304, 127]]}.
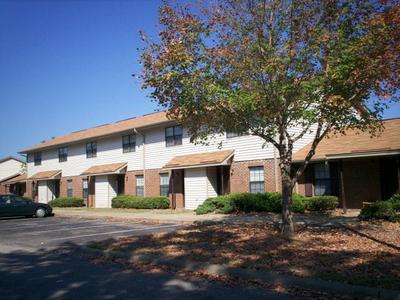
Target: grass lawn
{"points": [[121, 210], [365, 254]]}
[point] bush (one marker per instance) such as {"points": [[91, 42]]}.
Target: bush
{"points": [[67, 202], [395, 200], [321, 203], [385, 210], [249, 202], [126, 201]]}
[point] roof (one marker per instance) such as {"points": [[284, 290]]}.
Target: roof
{"points": [[356, 144], [103, 130], [9, 177], [11, 157], [19, 178], [46, 175], [105, 169], [200, 159]]}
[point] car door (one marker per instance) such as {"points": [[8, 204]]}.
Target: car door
{"points": [[5, 206], [21, 207]]}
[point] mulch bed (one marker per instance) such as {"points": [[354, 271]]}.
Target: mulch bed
{"points": [[364, 253]]}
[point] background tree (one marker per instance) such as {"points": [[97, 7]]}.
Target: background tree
{"points": [[270, 66]]}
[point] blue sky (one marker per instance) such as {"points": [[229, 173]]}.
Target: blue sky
{"points": [[67, 65]]}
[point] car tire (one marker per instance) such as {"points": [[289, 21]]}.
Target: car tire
{"points": [[28, 216], [40, 212]]}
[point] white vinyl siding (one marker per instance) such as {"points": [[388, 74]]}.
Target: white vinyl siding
{"points": [[9, 168], [109, 150]]}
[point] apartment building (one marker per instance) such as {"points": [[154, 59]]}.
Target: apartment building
{"points": [[150, 155]]}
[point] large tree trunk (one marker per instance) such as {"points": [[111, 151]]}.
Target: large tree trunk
{"points": [[287, 217]]}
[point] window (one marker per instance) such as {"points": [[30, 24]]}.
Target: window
{"points": [[256, 179], [140, 185], [322, 180], [173, 136], [232, 134], [128, 143], [69, 188], [91, 149], [62, 154], [37, 158], [85, 188], [164, 184]]}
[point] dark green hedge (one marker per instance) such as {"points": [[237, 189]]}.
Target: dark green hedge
{"points": [[126, 201], [67, 202], [264, 202], [384, 210], [321, 203]]}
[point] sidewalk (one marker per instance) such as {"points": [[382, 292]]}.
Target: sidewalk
{"points": [[188, 217]]}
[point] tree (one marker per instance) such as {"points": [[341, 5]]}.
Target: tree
{"points": [[270, 66]]}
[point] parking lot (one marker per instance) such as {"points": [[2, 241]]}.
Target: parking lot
{"points": [[35, 233]]}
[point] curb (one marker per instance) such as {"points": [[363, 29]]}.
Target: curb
{"points": [[320, 285]]}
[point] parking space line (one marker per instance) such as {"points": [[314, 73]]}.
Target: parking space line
{"points": [[113, 232], [48, 225], [69, 228]]}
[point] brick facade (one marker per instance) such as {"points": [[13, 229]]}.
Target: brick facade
{"points": [[240, 175], [238, 182]]}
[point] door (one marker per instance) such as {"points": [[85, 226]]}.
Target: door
{"points": [[21, 207], [195, 184], [101, 191], [42, 191], [5, 206]]}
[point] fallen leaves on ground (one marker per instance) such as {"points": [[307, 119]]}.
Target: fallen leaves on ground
{"points": [[363, 253]]}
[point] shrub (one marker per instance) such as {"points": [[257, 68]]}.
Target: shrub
{"points": [[395, 200], [321, 203], [249, 202], [67, 202], [385, 210], [127, 201]]}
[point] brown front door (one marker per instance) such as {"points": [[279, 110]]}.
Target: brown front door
{"points": [[361, 182]]}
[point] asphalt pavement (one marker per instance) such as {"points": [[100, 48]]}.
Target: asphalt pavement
{"points": [[38, 260]]}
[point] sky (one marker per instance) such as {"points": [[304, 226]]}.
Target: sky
{"points": [[68, 65]]}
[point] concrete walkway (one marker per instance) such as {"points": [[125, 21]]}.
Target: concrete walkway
{"points": [[188, 217]]}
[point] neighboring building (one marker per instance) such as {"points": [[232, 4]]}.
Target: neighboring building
{"points": [[355, 167], [11, 169], [149, 156]]}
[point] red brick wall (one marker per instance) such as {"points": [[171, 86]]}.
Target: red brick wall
{"points": [[240, 175], [76, 186]]}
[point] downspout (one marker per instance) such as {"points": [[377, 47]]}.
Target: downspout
{"points": [[276, 169], [144, 159]]}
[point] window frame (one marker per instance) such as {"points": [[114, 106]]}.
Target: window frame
{"points": [[37, 158], [164, 188], [233, 134], [91, 149], [85, 189], [62, 154], [139, 189], [256, 182], [70, 188], [174, 139], [324, 182], [130, 146]]}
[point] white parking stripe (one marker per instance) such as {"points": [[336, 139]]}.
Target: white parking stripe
{"points": [[67, 228], [112, 232], [33, 226]]}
